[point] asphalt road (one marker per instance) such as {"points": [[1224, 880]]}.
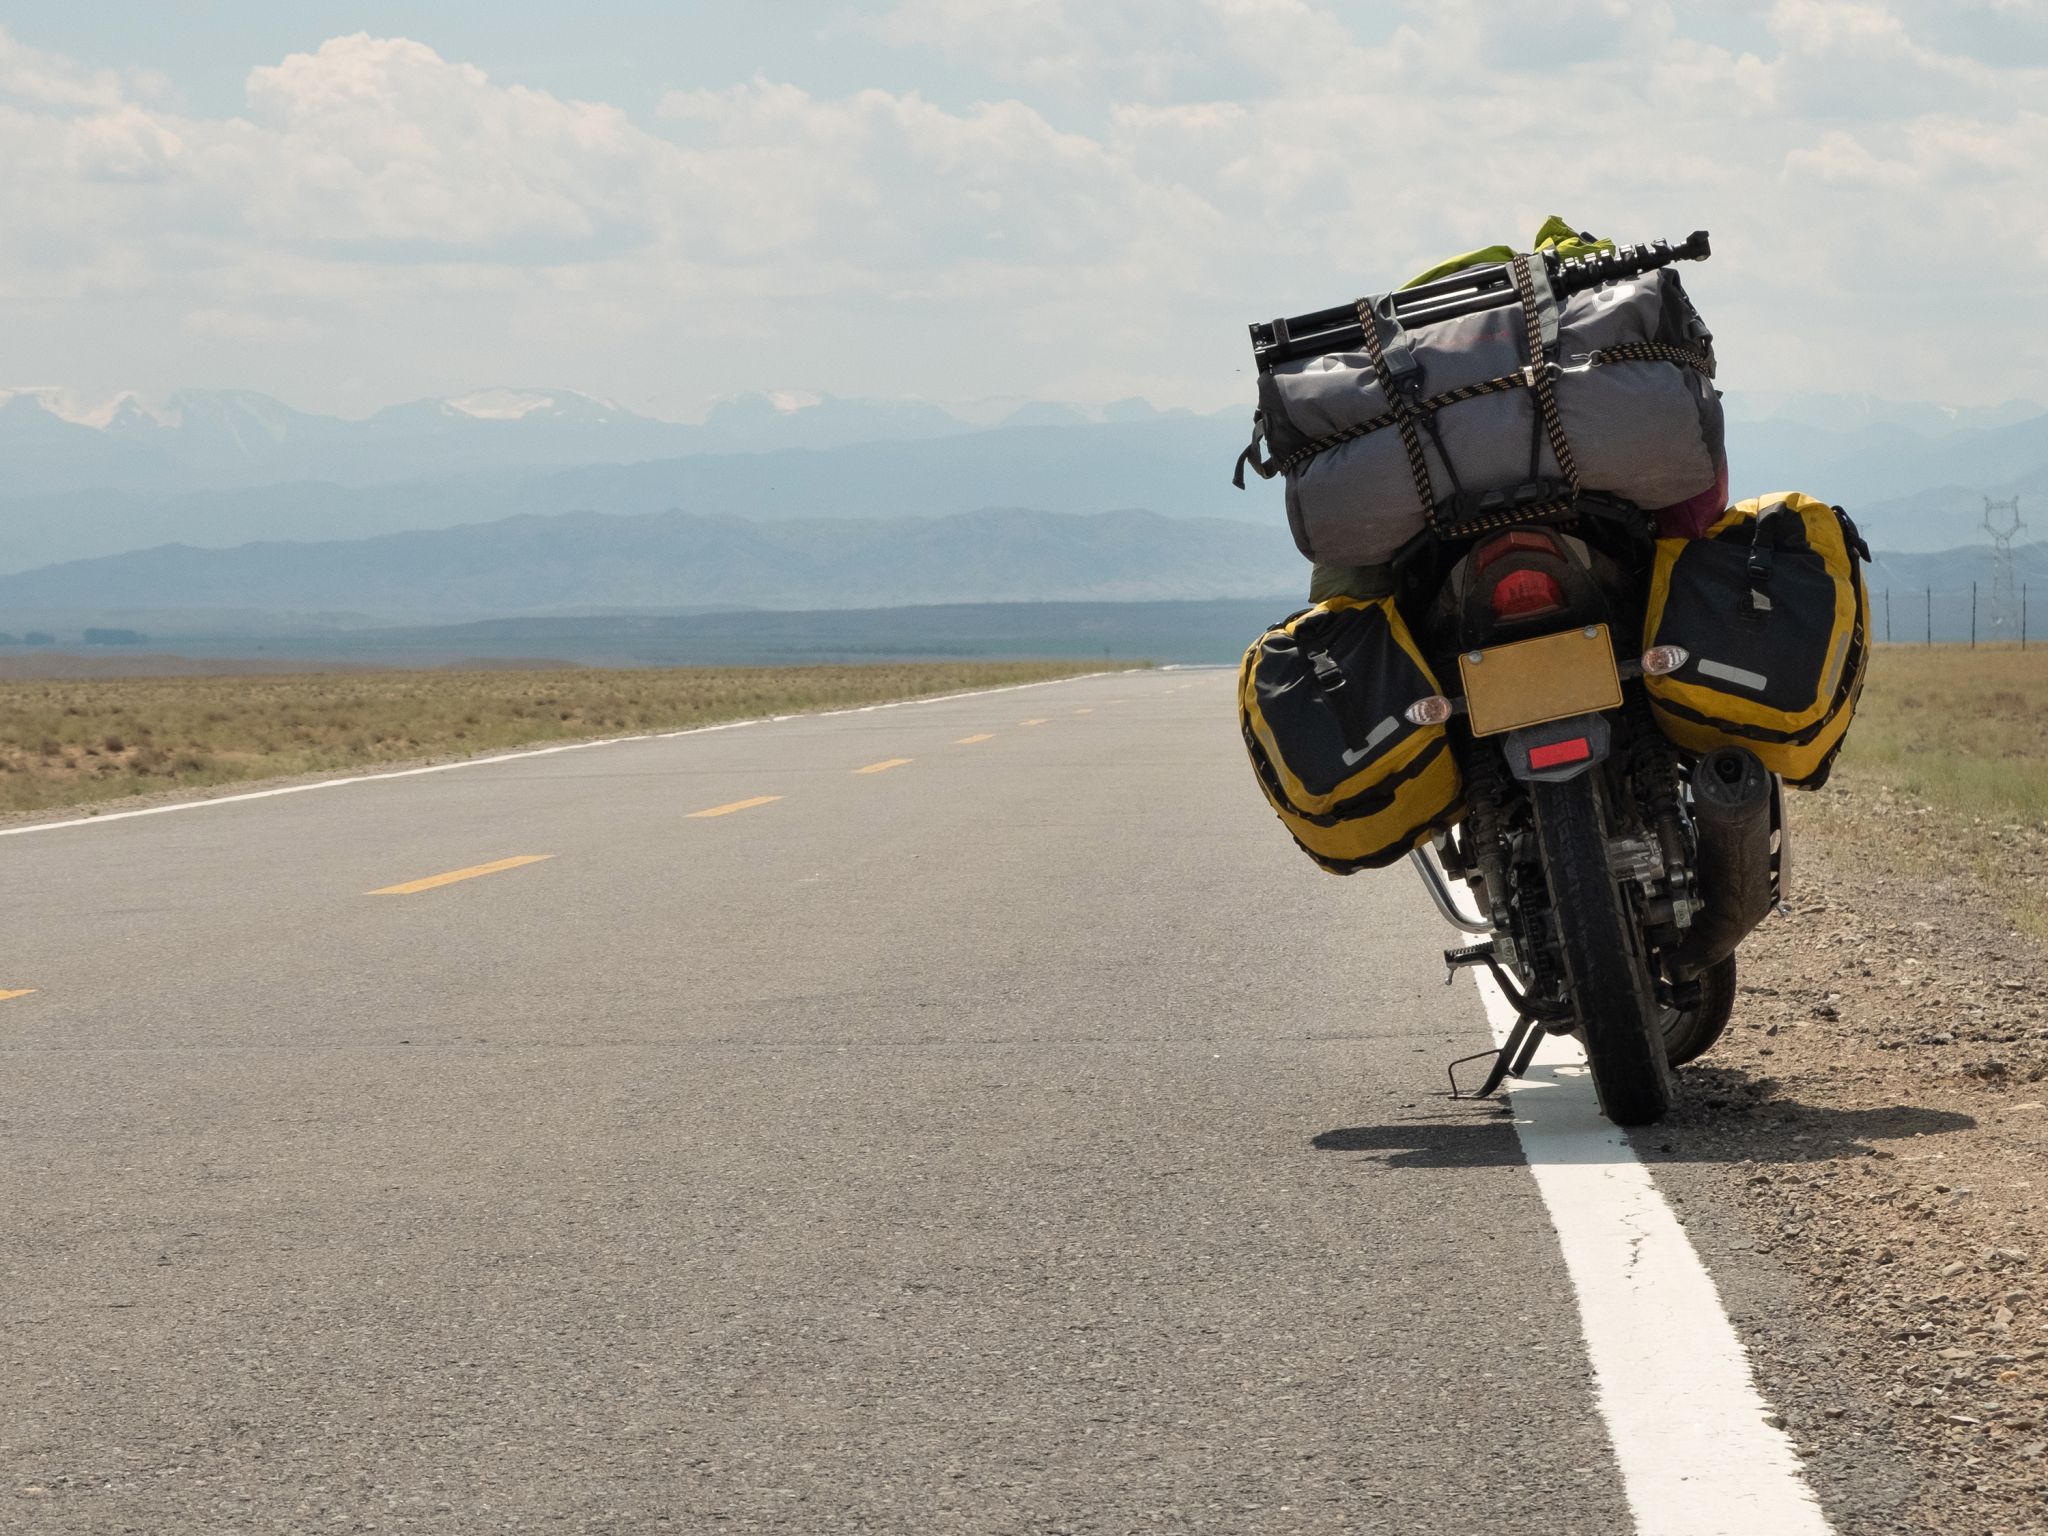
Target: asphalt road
{"points": [[1023, 1137]]}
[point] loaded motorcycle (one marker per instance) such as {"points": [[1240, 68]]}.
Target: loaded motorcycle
{"points": [[1586, 725]]}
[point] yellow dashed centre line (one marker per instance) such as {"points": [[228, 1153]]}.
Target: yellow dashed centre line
{"points": [[1034, 722], [17, 992], [453, 875], [737, 805], [885, 765], [968, 741], [1084, 711]]}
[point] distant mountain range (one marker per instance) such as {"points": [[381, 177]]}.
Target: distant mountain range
{"points": [[1953, 570], [1906, 491], [210, 439], [217, 470], [53, 442], [1854, 412], [585, 562], [671, 562], [1177, 463]]}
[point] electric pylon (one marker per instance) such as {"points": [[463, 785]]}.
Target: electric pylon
{"points": [[2002, 522]]}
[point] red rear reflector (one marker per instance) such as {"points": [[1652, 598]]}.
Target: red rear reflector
{"points": [[1558, 753], [1521, 542], [1520, 594]]}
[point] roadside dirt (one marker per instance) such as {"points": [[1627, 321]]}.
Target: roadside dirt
{"points": [[1880, 1111]]}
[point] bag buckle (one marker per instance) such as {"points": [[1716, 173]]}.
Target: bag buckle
{"points": [[1404, 369]]}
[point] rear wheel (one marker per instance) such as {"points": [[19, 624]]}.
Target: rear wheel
{"points": [[1604, 955]]}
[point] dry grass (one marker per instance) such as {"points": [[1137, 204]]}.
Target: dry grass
{"points": [[79, 741], [1947, 766], [1964, 730]]}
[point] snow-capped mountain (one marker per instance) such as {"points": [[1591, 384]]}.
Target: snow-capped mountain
{"points": [[519, 404], [55, 440]]}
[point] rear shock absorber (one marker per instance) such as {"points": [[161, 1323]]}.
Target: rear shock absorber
{"points": [[1481, 770], [1654, 768]]}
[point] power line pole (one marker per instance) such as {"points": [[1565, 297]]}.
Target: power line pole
{"points": [[1887, 615], [2002, 522], [1930, 615]]}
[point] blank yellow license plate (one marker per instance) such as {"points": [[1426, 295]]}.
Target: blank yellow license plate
{"points": [[1533, 681]]}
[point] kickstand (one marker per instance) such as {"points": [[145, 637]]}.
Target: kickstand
{"points": [[1510, 1060]]}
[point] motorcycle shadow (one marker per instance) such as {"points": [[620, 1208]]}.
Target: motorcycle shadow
{"points": [[1724, 1115], [1440, 1142]]}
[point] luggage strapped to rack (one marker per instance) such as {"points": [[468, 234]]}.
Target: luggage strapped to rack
{"points": [[1381, 331]]}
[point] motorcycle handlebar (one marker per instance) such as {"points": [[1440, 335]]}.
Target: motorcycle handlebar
{"points": [[1464, 293]]}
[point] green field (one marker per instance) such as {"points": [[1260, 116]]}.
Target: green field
{"points": [[78, 741]]}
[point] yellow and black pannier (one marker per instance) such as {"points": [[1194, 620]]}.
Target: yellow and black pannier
{"points": [[1771, 608], [1323, 697]]}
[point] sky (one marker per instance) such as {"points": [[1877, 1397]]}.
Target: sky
{"points": [[665, 201]]}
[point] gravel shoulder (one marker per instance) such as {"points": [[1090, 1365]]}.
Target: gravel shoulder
{"points": [[1876, 1125]]}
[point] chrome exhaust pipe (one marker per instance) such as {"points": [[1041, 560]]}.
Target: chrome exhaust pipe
{"points": [[1732, 794]]}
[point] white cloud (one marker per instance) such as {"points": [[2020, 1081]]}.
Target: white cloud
{"points": [[123, 143], [1066, 47], [1842, 157], [381, 213], [382, 140], [1038, 41], [915, 193], [45, 80], [246, 325]]}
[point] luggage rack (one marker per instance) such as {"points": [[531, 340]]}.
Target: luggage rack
{"points": [[1470, 292]]}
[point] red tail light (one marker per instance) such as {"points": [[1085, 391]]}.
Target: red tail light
{"points": [[1524, 594]]}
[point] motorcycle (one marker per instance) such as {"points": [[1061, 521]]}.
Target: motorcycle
{"points": [[1611, 876], [1612, 881]]}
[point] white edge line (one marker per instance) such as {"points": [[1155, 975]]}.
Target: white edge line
{"points": [[1697, 1454], [526, 752]]}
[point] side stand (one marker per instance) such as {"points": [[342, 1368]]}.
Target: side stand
{"points": [[1510, 1060]]}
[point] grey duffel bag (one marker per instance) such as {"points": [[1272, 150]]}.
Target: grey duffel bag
{"points": [[1492, 416]]}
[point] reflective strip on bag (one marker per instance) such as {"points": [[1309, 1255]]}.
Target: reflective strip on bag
{"points": [[1756, 682]]}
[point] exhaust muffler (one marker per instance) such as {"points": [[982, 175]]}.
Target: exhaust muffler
{"points": [[1732, 795]]}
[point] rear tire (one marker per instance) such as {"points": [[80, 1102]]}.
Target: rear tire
{"points": [[1691, 1033], [1605, 958]]}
